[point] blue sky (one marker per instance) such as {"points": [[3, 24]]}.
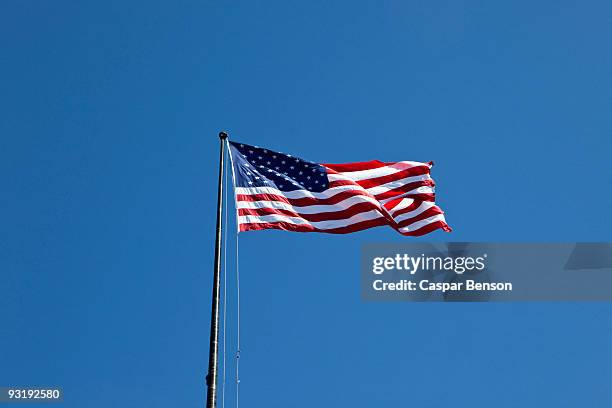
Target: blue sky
{"points": [[108, 156]]}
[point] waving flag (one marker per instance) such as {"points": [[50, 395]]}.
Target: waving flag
{"points": [[279, 191]]}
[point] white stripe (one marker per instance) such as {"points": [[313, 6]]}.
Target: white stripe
{"points": [[419, 190], [309, 209], [419, 224], [424, 206], [255, 219], [392, 185], [405, 202], [382, 171], [330, 192], [410, 179], [383, 188]]}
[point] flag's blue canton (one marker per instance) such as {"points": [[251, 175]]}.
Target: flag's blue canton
{"points": [[257, 167]]}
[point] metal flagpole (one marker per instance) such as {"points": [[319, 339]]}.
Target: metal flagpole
{"points": [[211, 377]]}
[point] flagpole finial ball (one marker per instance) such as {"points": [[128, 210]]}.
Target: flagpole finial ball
{"points": [[222, 135]]}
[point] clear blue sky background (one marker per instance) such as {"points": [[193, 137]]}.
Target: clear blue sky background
{"points": [[108, 160]]}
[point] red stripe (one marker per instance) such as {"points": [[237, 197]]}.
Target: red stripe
{"points": [[286, 226], [413, 206], [305, 201], [322, 216], [386, 194], [430, 212], [367, 165], [341, 196], [426, 229], [357, 166], [422, 196], [375, 182], [339, 215], [340, 183], [389, 193], [405, 188], [390, 205], [309, 228]]}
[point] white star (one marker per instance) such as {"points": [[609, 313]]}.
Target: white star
{"points": [[261, 167], [300, 172], [270, 170], [265, 151], [316, 181], [241, 145], [250, 182], [274, 156], [304, 165], [283, 162], [267, 163], [256, 178], [291, 167], [314, 170], [308, 177], [281, 186], [259, 157], [250, 151], [276, 168], [322, 174]]}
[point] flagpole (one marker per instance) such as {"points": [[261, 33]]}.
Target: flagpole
{"points": [[213, 351]]}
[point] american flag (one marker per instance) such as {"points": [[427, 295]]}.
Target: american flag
{"points": [[280, 191]]}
